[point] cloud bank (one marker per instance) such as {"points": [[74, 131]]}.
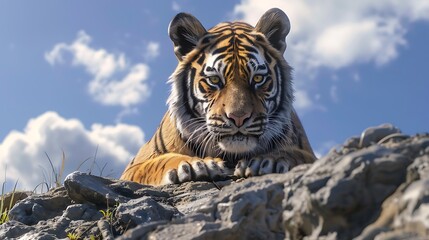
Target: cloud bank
{"points": [[23, 152], [115, 82], [336, 34]]}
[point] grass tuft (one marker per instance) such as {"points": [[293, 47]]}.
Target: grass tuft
{"points": [[57, 174], [54, 177], [4, 210], [72, 236]]}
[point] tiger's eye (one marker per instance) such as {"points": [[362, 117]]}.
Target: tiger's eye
{"points": [[214, 79], [258, 78]]}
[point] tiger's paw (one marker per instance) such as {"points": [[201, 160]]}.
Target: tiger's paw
{"points": [[258, 166], [208, 169]]}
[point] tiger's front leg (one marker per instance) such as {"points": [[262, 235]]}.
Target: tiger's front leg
{"points": [[175, 168], [278, 162]]}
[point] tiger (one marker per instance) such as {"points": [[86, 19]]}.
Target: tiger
{"points": [[230, 112]]}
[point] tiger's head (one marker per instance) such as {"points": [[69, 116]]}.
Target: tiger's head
{"points": [[231, 91]]}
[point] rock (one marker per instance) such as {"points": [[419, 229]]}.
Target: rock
{"points": [[406, 212], [371, 187], [10, 199], [51, 215], [35, 208], [82, 187], [188, 197], [104, 227], [339, 192], [143, 210], [375, 134], [141, 231], [14, 229], [84, 212], [251, 209]]}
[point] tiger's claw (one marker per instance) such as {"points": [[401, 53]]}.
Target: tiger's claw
{"points": [[260, 166], [196, 170]]}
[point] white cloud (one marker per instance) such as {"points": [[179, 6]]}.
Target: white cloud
{"points": [[129, 91], [335, 34], [302, 100], [175, 6], [334, 94], [114, 80], [23, 152], [126, 112], [152, 51]]}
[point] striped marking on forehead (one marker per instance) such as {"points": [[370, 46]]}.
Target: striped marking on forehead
{"points": [[233, 48], [230, 35], [231, 26]]}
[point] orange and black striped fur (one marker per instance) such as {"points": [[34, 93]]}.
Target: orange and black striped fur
{"points": [[230, 108]]}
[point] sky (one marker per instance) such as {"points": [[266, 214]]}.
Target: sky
{"points": [[88, 79]]}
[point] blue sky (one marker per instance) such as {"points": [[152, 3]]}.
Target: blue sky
{"points": [[89, 78]]}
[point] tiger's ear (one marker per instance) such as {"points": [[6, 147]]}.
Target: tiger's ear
{"points": [[275, 25], [185, 31]]}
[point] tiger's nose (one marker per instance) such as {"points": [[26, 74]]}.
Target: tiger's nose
{"points": [[238, 117]]}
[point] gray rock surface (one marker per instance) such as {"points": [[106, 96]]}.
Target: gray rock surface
{"points": [[341, 194], [375, 186]]}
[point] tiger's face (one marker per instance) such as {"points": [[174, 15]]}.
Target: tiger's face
{"points": [[232, 89]]}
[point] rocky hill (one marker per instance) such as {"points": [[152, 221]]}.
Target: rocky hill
{"points": [[375, 186]]}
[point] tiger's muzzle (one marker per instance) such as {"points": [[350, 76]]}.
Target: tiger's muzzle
{"points": [[237, 134]]}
